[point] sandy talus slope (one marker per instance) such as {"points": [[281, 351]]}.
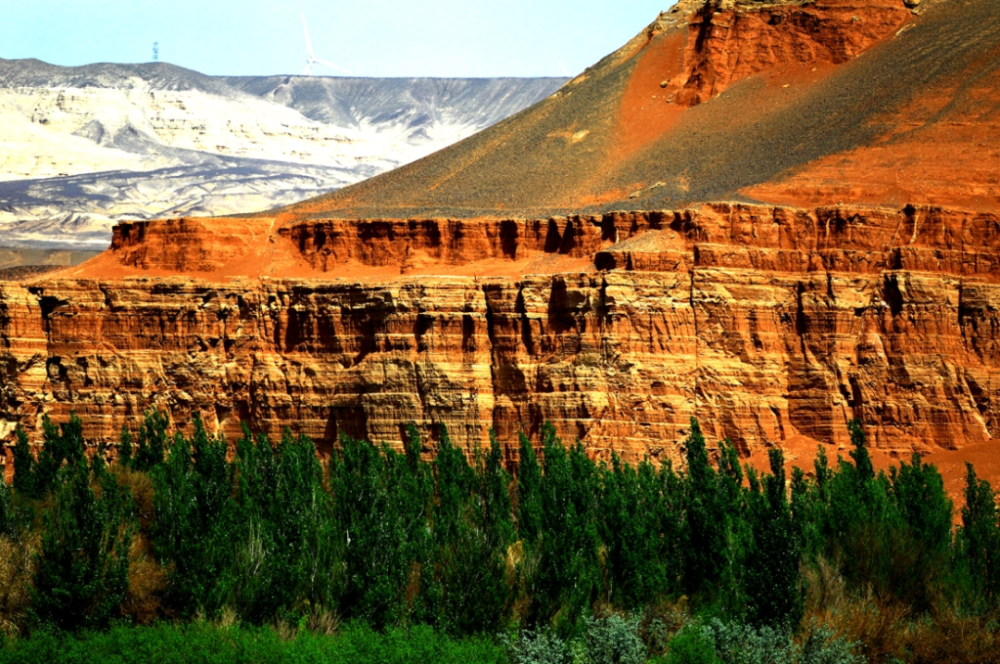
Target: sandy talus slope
{"points": [[865, 101]]}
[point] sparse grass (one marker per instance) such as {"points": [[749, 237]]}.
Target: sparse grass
{"points": [[147, 580], [16, 568], [887, 630]]}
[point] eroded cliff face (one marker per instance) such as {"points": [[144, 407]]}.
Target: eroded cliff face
{"points": [[767, 324], [730, 40]]}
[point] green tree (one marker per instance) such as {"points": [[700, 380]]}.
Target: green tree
{"points": [[706, 525], [640, 530], [926, 515], [381, 503], [81, 574], [568, 575], [282, 512], [153, 440], [195, 530], [61, 445], [125, 447], [980, 539], [25, 481], [772, 581], [529, 491], [470, 539]]}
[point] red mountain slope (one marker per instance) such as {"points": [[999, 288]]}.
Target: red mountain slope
{"points": [[818, 103]]}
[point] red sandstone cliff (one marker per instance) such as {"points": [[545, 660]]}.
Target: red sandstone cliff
{"points": [[766, 323], [494, 285]]}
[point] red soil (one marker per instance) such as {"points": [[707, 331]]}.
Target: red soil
{"points": [[942, 148], [649, 111]]}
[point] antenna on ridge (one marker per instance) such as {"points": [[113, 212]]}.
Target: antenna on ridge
{"points": [[156, 51], [312, 59]]}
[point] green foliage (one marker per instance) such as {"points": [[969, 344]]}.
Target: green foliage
{"points": [[472, 529], [611, 640], [707, 531], [888, 534], [692, 645], [81, 572], [283, 514], [568, 576], [125, 447], [614, 640], [641, 529], [153, 441], [7, 520], [381, 502], [541, 646], [199, 643], [739, 643], [62, 445], [255, 534], [499, 524], [24, 466], [772, 583], [390, 539], [529, 491], [195, 528], [979, 539]]}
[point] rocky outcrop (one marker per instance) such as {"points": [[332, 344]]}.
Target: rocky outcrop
{"points": [[765, 323], [730, 40]]}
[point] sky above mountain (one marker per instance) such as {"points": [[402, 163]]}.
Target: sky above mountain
{"points": [[448, 38]]}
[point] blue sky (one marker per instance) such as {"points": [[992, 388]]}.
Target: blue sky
{"points": [[368, 37]]}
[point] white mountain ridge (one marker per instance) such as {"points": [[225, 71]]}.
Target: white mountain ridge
{"points": [[84, 147]]}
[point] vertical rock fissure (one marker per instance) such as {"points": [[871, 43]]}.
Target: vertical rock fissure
{"points": [[494, 360], [697, 335]]}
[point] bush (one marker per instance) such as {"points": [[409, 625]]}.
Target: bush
{"points": [[692, 645], [739, 643], [541, 646], [614, 640]]}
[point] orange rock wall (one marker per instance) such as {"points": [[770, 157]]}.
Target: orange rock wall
{"points": [[764, 323], [325, 244], [729, 40]]}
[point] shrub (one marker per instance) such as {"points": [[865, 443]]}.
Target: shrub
{"points": [[739, 643], [614, 640], [692, 645], [541, 646]]}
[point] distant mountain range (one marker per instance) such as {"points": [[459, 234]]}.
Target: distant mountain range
{"points": [[85, 147]]}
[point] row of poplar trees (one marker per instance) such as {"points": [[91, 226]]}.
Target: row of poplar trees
{"points": [[272, 533]]}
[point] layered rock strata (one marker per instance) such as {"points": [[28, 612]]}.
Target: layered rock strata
{"points": [[765, 323]]}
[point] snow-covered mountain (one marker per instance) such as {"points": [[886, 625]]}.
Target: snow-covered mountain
{"points": [[84, 147]]}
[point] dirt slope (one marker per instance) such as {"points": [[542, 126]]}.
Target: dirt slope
{"points": [[864, 101]]}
